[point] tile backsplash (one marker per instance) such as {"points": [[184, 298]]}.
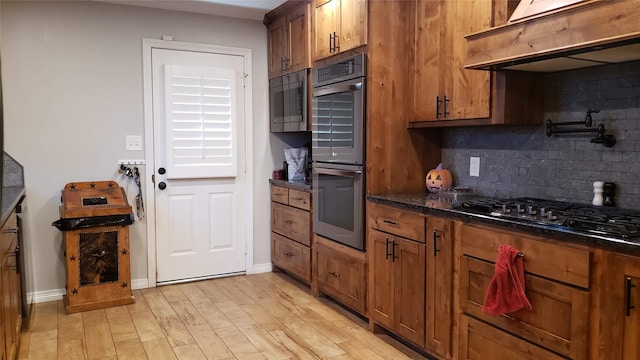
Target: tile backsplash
{"points": [[523, 161]]}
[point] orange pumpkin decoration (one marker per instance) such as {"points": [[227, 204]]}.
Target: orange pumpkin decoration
{"points": [[438, 178]]}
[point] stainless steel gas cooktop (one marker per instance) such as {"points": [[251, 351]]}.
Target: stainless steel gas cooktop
{"points": [[607, 221]]}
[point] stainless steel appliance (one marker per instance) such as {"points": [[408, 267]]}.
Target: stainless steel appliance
{"points": [[288, 97], [599, 220], [338, 110], [338, 118]]}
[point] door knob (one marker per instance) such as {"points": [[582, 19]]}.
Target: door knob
{"points": [[162, 170], [162, 185]]}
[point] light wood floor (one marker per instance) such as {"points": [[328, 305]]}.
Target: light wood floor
{"points": [[263, 316]]}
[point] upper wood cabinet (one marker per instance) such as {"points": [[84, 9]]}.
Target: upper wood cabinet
{"points": [[339, 25], [447, 94], [289, 38]]}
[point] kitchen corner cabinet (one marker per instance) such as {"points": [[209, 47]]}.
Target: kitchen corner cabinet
{"points": [[557, 283], [443, 90], [439, 285], [10, 293], [398, 272], [340, 272], [289, 39], [291, 231], [621, 307], [339, 25]]}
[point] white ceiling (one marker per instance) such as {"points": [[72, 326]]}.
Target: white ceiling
{"points": [[244, 9]]}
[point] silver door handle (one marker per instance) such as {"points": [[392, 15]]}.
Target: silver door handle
{"points": [[337, 89], [337, 172]]}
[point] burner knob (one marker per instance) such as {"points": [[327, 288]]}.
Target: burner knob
{"points": [[543, 212], [505, 209], [519, 209], [531, 210], [551, 215]]}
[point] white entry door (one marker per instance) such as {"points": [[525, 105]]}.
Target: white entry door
{"points": [[199, 142]]}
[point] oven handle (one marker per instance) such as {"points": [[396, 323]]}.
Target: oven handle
{"points": [[336, 172], [337, 89]]}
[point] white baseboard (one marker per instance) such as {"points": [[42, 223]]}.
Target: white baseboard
{"points": [[55, 295], [262, 268]]}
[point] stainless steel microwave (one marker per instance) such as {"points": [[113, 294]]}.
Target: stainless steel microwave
{"points": [[288, 102]]}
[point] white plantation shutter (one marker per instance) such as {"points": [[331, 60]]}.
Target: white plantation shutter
{"points": [[200, 120]]}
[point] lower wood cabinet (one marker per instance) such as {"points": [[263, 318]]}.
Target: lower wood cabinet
{"points": [[10, 293], [398, 278], [340, 272], [291, 231]]}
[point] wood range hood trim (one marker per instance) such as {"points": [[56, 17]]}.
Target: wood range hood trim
{"points": [[590, 33]]}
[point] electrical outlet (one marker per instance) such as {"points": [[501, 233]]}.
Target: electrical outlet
{"points": [[134, 142], [474, 166]]}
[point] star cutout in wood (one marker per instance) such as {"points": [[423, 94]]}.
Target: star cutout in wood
{"points": [[74, 291], [93, 185], [124, 251]]}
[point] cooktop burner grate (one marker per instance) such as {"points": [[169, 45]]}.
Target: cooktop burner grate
{"points": [[614, 222]]}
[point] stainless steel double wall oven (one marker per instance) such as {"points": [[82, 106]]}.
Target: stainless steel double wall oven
{"points": [[338, 142]]}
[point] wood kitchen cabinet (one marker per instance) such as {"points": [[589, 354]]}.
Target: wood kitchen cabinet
{"points": [[439, 285], [291, 231], [557, 283], [447, 94], [10, 300], [340, 272], [339, 25], [289, 37], [398, 271]]}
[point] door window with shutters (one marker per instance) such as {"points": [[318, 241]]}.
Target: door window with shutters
{"points": [[200, 122]]}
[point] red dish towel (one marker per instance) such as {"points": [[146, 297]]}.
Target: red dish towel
{"points": [[506, 289]]}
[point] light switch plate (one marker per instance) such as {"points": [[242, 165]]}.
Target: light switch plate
{"points": [[474, 166], [134, 142]]}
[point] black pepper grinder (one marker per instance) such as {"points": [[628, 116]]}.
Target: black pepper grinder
{"points": [[608, 192]]}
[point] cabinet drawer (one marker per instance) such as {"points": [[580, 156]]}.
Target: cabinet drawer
{"points": [[279, 194], [300, 199], [559, 317], [291, 222], [396, 221], [570, 265], [291, 256], [341, 276], [479, 341]]}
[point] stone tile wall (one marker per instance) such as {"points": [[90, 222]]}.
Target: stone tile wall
{"points": [[523, 161]]}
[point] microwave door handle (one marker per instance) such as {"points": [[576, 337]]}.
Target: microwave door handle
{"points": [[337, 172], [337, 89]]}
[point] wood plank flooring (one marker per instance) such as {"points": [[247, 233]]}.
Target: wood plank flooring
{"points": [[264, 316]]}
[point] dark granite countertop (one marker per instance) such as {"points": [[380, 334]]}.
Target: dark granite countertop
{"points": [[298, 185], [10, 197], [432, 204]]}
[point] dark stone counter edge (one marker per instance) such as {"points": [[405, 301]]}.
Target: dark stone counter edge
{"points": [[11, 195], [447, 211], [298, 185]]}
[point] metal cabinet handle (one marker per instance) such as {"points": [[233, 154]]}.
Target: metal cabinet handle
{"points": [[386, 250], [334, 274], [446, 101], [288, 222], [299, 199], [330, 43], [438, 107], [394, 257], [435, 242], [288, 254], [394, 223], [10, 231], [628, 305]]}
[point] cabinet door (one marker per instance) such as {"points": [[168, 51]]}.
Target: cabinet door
{"points": [[353, 24], [439, 285], [468, 91], [298, 26], [631, 346], [383, 280], [278, 52], [325, 24], [8, 316], [427, 95], [409, 289]]}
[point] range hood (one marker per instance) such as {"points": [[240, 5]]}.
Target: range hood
{"points": [[556, 35]]}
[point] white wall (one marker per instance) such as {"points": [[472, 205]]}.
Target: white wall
{"points": [[72, 75]]}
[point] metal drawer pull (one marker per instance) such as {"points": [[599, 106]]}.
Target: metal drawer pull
{"points": [[394, 223], [299, 199], [335, 274], [288, 254], [10, 231], [628, 305], [288, 222]]}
